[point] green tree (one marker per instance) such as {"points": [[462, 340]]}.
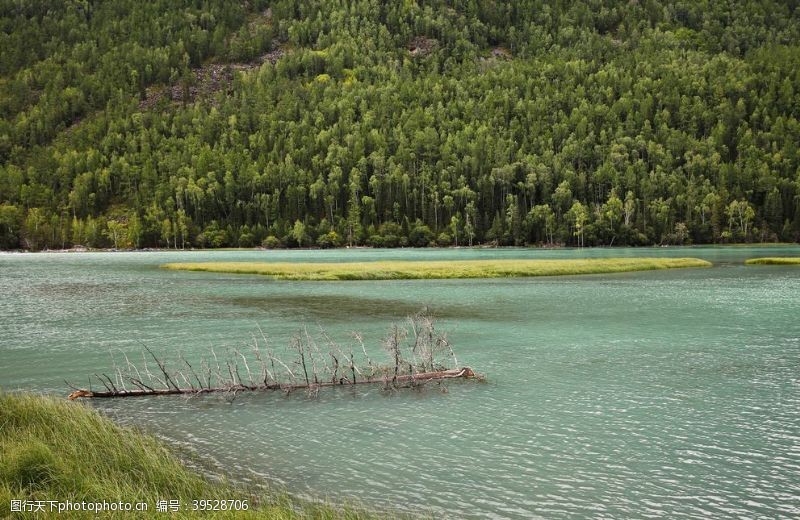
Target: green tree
{"points": [[612, 211], [117, 232], [456, 227], [35, 229], [543, 219], [578, 215], [135, 231], [299, 233], [10, 217]]}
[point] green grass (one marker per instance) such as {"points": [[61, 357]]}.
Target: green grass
{"points": [[439, 269], [58, 450], [775, 260]]}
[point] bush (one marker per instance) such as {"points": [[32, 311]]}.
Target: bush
{"points": [[391, 228], [391, 241], [420, 236], [212, 236], [271, 242], [246, 240], [329, 240]]}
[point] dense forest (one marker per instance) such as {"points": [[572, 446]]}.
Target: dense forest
{"points": [[288, 123]]}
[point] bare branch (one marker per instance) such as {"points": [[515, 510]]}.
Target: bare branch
{"points": [[199, 383], [244, 360], [413, 364], [163, 368]]}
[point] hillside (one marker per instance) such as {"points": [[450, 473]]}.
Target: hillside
{"points": [[208, 124]]}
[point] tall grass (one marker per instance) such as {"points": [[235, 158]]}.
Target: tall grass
{"points": [[775, 260], [58, 450], [439, 269]]}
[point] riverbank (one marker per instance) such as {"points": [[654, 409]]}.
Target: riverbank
{"points": [[412, 270], [54, 450], [545, 247]]}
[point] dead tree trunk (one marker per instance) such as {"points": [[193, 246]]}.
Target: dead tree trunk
{"points": [[426, 358], [409, 379]]}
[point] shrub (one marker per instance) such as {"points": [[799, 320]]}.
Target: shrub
{"points": [[271, 242], [246, 240], [328, 240], [420, 236]]}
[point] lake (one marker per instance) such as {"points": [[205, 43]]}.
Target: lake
{"points": [[663, 393]]}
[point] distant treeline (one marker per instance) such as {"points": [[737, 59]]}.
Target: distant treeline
{"points": [[399, 123]]}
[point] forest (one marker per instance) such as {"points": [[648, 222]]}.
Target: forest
{"points": [[288, 123]]}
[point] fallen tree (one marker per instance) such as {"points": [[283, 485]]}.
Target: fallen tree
{"points": [[409, 379], [419, 354]]}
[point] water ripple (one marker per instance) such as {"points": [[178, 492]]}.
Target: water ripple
{"points": [[659, 394]]}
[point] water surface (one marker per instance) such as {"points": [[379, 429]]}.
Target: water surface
{"points": [[663, 393]]}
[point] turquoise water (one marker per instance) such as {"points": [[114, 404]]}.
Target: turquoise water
{"points": [[669, 393]]}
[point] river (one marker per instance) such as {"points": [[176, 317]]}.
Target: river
{"points": [[666, 393]]}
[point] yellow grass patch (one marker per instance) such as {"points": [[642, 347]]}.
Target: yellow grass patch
{"points": [[439, 269], [775, 260]]}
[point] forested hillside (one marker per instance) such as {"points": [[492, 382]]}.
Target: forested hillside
{"points": [[188, 123]]}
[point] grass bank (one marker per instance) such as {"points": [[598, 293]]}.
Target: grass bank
{"points": [[775, 260], [57, 450], [439, 269]]}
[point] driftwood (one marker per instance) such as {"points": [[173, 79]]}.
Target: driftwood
{"points": [[415, 357], [410, 379]]}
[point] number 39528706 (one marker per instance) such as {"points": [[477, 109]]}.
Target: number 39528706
{"points": [[219, 505]]}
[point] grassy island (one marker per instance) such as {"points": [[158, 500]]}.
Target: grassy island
{"points": [[57, 450], [439, 269], [775, 260]]}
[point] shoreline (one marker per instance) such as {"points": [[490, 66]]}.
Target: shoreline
{"points": [[369, 248], [43, 458]]}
